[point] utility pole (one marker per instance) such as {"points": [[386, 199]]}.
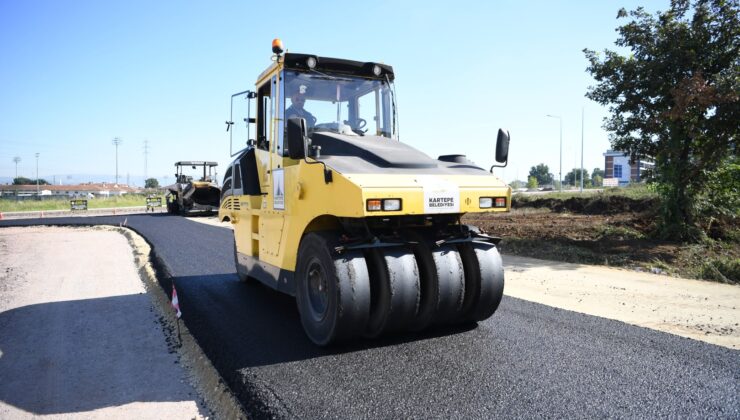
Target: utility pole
{"points": [[116, 142], [560, 172], [146, 152], [38, 195]]}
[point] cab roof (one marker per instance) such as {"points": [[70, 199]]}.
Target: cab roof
{"points": [[196, 163], [295, 61], [337, 65]]}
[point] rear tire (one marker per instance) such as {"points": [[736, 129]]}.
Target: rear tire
{"points": [[332, 292], [484, 280]]}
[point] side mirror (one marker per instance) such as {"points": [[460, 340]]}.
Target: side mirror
{"points": [[502, 146], [502, 149], [297, 138]]}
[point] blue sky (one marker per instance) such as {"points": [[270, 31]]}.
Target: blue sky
{"points": [[76, 74]]}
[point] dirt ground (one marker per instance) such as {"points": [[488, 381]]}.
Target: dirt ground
{"points": [[79, 337], [618, 239]]}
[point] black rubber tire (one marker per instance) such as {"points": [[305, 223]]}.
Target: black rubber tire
{"points": [[395, 290], [442, 282], [428, 283], [484, 279], [340, 309], [451, 278], [242, 276]]}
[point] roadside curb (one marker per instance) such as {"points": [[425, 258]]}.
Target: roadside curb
{"points": [[42, 214]]}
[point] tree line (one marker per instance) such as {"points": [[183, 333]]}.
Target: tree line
{"points": [[540, 176], [28, 181]]}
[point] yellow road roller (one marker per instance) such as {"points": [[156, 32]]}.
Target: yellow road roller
{"points": [[330, 207]]}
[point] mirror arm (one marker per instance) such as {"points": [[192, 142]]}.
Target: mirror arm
{"points": [[327, 172], [499, 166]]}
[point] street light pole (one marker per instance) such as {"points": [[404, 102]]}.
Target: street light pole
{"points": [[146, 152], [582, 117], [560, 172], [116, 142], [38, 195], [16, 160]]}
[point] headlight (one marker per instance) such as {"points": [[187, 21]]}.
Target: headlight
{"points": [[485, 202], [393, 204], [386, 204], [500, 201], [311, 62], [376, 70]]}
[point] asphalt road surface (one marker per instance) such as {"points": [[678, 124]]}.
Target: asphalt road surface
{"points": [[527, 360]]}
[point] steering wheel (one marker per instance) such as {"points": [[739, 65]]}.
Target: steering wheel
{"points": [[360, 124]]}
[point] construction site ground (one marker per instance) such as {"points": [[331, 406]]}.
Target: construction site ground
{"points": [[77, 326], [612, 238]]}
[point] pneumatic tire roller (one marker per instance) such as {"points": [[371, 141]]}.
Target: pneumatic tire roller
{"points": [[333, 209]]}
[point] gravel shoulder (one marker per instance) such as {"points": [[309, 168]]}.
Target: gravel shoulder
{"points": [[697, 309], [79, 335]]}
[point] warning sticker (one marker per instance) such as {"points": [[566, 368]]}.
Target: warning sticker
{"points": [[440, 196]]}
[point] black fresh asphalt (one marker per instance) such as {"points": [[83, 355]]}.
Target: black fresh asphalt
{"points": [[528, 360]]}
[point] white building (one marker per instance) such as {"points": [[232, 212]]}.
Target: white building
{"points": [[619, 171], [68, 191]]}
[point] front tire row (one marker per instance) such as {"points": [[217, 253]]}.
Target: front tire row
{"points": [[380, 290]]}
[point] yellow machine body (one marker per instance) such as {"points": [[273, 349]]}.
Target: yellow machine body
{"points": [[273, 236]]}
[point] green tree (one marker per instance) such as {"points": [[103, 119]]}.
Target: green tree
{"points": [[516, 184], [574, 178], [597, 181], [597, 177], [532, 182], [151, 183], [542, 173], [722, 200], [674, 98], [27, 181]]}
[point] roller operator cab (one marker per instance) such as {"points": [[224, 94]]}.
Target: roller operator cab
{"points": [[329, 206]]}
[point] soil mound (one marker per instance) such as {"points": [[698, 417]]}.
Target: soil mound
{"points": [[600, 204]]}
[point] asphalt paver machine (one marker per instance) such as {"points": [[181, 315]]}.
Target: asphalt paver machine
{"points": [[194, 193]]}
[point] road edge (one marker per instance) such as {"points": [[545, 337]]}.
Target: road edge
{"points": [[202, 375]]}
